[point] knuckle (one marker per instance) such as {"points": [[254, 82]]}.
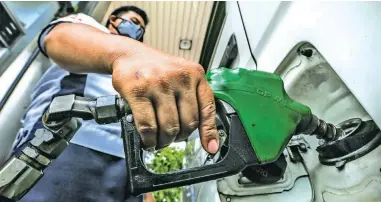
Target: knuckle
{"points": [[163, 84], [199, 70], [192, 125], [172, 131], [209, 131], [148, 136], [209, 128], [184, 77], [210, 108], [138, 90], [147, 130]]}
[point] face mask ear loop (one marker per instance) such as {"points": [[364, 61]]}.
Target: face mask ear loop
{"points": [[116, 28], [141, 35]]}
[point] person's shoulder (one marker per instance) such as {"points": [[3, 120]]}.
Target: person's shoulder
{"points": [[78, 17], [83, 19], [73, 18]]}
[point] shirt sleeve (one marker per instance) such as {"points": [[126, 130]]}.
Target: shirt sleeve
{"points": [[74, 18]]}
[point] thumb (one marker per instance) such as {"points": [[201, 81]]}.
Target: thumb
{"points": [[207, 110]]}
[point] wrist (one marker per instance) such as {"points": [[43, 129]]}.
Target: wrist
{"points": [[122, 48]]}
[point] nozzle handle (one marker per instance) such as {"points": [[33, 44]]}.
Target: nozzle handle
{"points": [[239, 155]]}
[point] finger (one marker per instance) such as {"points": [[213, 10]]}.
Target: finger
{"points": [[167, 118], [188, 113], [145, 120], [207, 114]]}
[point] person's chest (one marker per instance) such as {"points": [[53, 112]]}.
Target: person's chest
{"points": [[99, 85]]}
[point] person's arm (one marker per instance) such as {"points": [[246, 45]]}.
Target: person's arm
{"points": [[168, 95], [80, 48]]}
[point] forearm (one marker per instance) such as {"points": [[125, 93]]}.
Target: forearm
{"points": [[81, 48]]}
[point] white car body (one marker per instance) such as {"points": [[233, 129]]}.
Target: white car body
{"points": [[340, 81]]}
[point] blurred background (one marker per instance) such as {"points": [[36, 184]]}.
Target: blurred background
{"points": [[170, 23]]}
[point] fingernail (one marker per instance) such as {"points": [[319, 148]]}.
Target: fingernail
{"points": [[213, 146]]}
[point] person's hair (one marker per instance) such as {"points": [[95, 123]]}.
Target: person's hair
{"points": [[124, 9]]}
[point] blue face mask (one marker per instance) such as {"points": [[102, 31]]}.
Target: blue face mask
{"points": [[129, 29]]}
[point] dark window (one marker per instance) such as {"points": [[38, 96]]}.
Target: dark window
{"points": [[216, 21], [9, 31]]}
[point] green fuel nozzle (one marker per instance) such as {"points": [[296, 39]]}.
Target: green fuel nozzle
{"points": [[269, 116], [256, 119]]}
